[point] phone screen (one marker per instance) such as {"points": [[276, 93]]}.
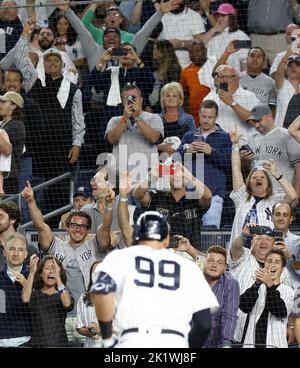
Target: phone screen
{"points": [[224, 86], [119, 51], [242, 44]]}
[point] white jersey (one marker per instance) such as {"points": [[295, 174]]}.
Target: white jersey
{"points": [[156, 290]]}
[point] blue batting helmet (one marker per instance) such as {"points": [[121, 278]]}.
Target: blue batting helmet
{"points": [[151, 225]]}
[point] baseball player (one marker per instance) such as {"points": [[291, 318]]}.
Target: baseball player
{"points": [[152, 293]]}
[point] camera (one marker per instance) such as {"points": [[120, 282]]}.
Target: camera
{"points": [[119, 51], [261, 230], [224, 86]]}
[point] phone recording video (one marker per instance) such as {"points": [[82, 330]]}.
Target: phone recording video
{"points": [[119, 51], [246, 147], [166, 169], [242, 44], [224, 86], [278, 235], [174, 240]]}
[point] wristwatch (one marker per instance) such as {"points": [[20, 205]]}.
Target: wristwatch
{"points": [[233, 103], [138, 118]]}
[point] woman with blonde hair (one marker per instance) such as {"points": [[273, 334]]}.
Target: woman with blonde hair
{"points": [[176, 121]]}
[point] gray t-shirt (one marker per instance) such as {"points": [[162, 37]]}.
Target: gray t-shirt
{"points": [[262, 86], [132, 145], [279, 146]]}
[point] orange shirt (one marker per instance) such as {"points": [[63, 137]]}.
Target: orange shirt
{"points": [[197, 92]]}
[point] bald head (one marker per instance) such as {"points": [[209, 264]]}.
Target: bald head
{"points": [[9, 14]]}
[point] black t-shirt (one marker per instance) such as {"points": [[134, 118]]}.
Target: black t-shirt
{"points": [[48, 318], [184, 216], [173, 128]]}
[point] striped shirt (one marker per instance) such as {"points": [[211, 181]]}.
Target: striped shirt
{"points": [[156, 289], [224, 320], [243, 206]]}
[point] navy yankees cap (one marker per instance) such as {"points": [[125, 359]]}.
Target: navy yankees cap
{"points": [[84, 191]]}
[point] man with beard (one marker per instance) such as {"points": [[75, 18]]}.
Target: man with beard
{"points": [[10, 218], [190, 81], [46, 41], [77, 253]]}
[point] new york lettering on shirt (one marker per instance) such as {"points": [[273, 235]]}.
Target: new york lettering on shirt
{"points": [[271, 150], [85, 256]]}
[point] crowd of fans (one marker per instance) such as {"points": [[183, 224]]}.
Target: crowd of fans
{"points": [[188, 108]]}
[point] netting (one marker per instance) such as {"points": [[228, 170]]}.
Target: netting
{"points": [[95, 90]]}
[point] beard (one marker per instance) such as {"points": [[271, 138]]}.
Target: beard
{"points": [[180, 9]]}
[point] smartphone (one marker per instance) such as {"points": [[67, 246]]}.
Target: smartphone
{"points": [[174, 242], [119, 51], [242, 44], [246, 147], [224, 86], [198, 137], [278, 235], [131, 99]]}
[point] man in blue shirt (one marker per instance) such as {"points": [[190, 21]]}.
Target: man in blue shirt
{"points": [[14, 314]]}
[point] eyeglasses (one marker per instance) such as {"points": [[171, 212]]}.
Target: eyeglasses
{"points": [[75, 226]]}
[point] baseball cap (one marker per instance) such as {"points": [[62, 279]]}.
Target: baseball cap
{"points": [[85, 191], [226, 9], [111, 29], [293, 59], [259, 111], [13, 97], [52, 51]]}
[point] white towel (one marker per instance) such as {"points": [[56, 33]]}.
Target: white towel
{"points": [[114, 96], [205, 73]]}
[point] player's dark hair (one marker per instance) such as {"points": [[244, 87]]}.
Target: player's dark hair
{"points": [[13, 212]]}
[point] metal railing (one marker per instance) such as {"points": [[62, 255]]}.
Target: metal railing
{"points": [[44, 185]]}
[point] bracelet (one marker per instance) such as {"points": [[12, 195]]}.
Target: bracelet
{"points": [[235, 149], [123, 199], [279, 177], [242, 236], [61, 289]]}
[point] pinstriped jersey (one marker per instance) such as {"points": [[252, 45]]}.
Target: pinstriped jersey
{"points": [[156, 288]]}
